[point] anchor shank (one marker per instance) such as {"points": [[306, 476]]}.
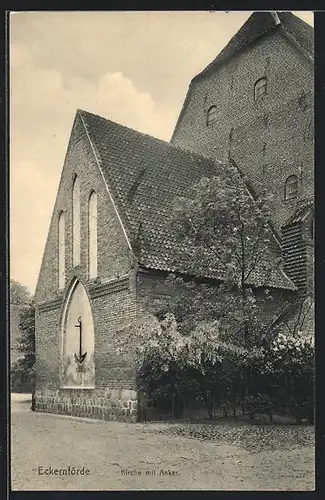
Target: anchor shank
{"points": [[80, 336], [80, 344]]}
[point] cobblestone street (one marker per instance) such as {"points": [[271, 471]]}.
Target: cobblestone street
{"points": [[122, 456]]}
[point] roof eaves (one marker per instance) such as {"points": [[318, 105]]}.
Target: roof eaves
{"points": [[286, 284], [291, 285]]}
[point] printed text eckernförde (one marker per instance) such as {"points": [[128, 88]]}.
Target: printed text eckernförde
{"points": [[68, 471]]}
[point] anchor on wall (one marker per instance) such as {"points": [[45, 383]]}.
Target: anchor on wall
{"points": [[81, 358]]}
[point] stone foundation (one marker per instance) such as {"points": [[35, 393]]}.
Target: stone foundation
{"points": [[105, 404]]}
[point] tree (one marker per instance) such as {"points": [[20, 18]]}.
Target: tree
{"points": [[19, 294], [23, 370], [27, 342], [224, 231], [222, 227]]}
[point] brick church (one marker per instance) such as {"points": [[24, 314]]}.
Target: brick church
{"points": [[109, 244]]}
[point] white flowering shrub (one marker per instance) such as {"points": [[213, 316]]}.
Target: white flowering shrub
{"points": [[286, 375]]}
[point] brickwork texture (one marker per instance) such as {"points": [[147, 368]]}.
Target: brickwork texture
{"points": [[271, 137]]}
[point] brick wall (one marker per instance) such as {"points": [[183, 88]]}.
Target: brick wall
{"points": [[111, 295], [270, 138], [153, 286], [114, 257]]}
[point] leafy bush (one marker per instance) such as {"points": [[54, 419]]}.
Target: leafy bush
{"points": [[22, 379], [278, 378]]}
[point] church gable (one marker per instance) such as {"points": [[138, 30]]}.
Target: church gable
{"points": [[86, 237]]}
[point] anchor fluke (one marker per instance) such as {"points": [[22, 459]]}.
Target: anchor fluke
{"points": [[80, 359]]}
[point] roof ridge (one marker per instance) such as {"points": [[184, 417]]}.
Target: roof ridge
{"points": [[175, 147], [284, 17], [83, 111], [230, 42]]}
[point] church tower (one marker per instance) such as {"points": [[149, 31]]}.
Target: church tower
{"points": [[254, 105]]}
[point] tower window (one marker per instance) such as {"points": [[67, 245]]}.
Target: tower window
{"points": [[76, 221], [260, 88], [61, 247], [212, 115], [92, 235], [291, 187]]}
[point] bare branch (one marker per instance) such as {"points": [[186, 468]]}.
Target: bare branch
{"points": [[257, 253]]}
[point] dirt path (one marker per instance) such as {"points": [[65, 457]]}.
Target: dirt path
{"points": [[119, 456]]}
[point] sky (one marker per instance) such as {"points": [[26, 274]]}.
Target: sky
{"points": [[131, 67]]}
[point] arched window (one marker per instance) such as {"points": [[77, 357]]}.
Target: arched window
{"points": [[61, 245], [211, 115], [92, 235], [260, 87], [291, 187], [76, 221]]}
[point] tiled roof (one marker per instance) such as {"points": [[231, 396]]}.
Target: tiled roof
{"points": [[260, 23], [300, 213], [144, 175]]}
